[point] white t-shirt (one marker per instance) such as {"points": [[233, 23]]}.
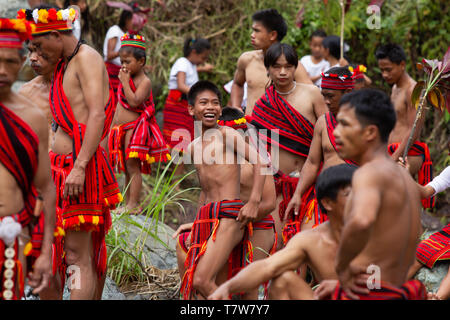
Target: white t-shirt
{"points": [[227, 88], [113, 32], [184, 65], [315, 69]]}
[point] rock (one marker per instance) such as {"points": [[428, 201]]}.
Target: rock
{"points": [[9, 8], [432, 278], [430, 222]]}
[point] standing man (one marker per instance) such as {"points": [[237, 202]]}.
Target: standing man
{"points": [[82, 104], [24, 167], [268, 28], [381, 190], [392, 63]]}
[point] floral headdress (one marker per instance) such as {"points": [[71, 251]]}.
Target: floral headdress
{"points": [[47, 20], [13, 32]]}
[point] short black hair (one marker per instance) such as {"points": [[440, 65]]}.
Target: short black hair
{"points": [[333, 43], [124, 17], [229, 113], [319, 33], [391, 51], [272, 20], [199, 45], [372, 106], [340, 71], [278, 49], [138, 53], [199, 87], [331, 180]]}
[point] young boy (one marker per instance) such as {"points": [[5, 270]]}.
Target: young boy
{"points": [[223, 223], [315, 63], [135, 140], [317, 247]]}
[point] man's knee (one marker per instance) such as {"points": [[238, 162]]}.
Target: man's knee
{"points": [[201, 283], [78, 248]]}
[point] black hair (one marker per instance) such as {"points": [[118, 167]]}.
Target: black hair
{"points": [[138, 53], [333, 43], [229, 113], [199, 45], [391, 51], [272, 20], [372, 106], [319, 33], [278, 49], [331, 180], [124, 17], [340, 71], [201, 86]]}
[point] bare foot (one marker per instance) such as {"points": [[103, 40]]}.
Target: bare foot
{"points": [[134, 210], [433, 296]]}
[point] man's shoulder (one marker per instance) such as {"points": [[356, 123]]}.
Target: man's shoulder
{"points": [[32, 85], [88, 55], [30, 113], [248, 56]]}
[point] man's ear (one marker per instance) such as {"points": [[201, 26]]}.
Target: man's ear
{"points": [[191, 110], [328, 204], [370, 132], [273, 36]]}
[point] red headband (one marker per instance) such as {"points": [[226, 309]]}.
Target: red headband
{"points": [[335, 82], [13, 32], [236, 124]]}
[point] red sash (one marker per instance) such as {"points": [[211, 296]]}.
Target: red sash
{"points": [[331, 122], [272, 112]]}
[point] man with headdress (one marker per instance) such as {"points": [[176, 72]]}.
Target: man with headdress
{"points": [[25, 236], [336, 82], [82, 104]]}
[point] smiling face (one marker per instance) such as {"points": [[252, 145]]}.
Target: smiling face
{"points": [[10, 64], [206, 108], [349, 134], [40, 65], [282, 73]]}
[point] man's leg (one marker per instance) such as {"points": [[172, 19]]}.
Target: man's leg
{"points": [[289, 286], [229, 234], [443, 292], [278, 223], [79, 257], [181, 258], [414, 268]]}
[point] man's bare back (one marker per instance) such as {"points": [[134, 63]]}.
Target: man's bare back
{"points": [[74, 88]]}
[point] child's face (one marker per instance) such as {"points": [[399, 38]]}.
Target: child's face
{"points": [[200, 58], [316, 47], [206, 109], [130, 62]]}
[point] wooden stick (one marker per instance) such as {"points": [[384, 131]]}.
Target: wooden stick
{"points": [[341, 2], [416, 120]]}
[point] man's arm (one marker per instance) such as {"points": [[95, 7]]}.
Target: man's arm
{"points": [[91, 76], [308, 174], [249, 278], [43, 182], [365, 205], [320, 108], [301, 76], [269, 198], [237, 89]]}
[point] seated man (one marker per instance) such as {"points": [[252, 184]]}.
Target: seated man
{"points": [[317, 247]]}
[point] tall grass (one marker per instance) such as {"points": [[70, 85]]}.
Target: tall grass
{"points": [[127, 261]]}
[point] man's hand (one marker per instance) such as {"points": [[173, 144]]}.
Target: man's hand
{"points": [[205, 68], [295, 203], [325, 289], [42, 272], [124, 75], [353, 281], [248, 213], [221, 293], [182, 228], [74, 183]]}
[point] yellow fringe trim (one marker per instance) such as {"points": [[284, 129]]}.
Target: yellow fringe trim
{"points": [[27, 249]]}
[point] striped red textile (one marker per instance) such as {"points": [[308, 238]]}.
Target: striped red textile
{"points": [[19, 150], [146, 143], [205, 226], [286, 185], [272, 112], [177, 118], [435, 248], [90, 211], [410, 290], [336, 82], [113, 73], [331, 123], [426, 171], [182, 240]]}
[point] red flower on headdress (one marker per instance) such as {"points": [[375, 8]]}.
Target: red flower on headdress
{"points": [[21, 14], [52, 15]]}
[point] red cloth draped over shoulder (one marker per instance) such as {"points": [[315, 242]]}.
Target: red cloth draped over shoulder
{"points": [[410, 290], [425, 174], [205, 226], [147, 142], [113, 74], [331, 123], [272, 112], [19, 150]]}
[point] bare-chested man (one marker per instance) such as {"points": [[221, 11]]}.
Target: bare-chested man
{"points": [[82, 106], [263, 238], [38, 89], [285, 117], [371, 242], [268, 27], [316, 247], [220, 232], [336, 82], [24, 166], [392, 63]]}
